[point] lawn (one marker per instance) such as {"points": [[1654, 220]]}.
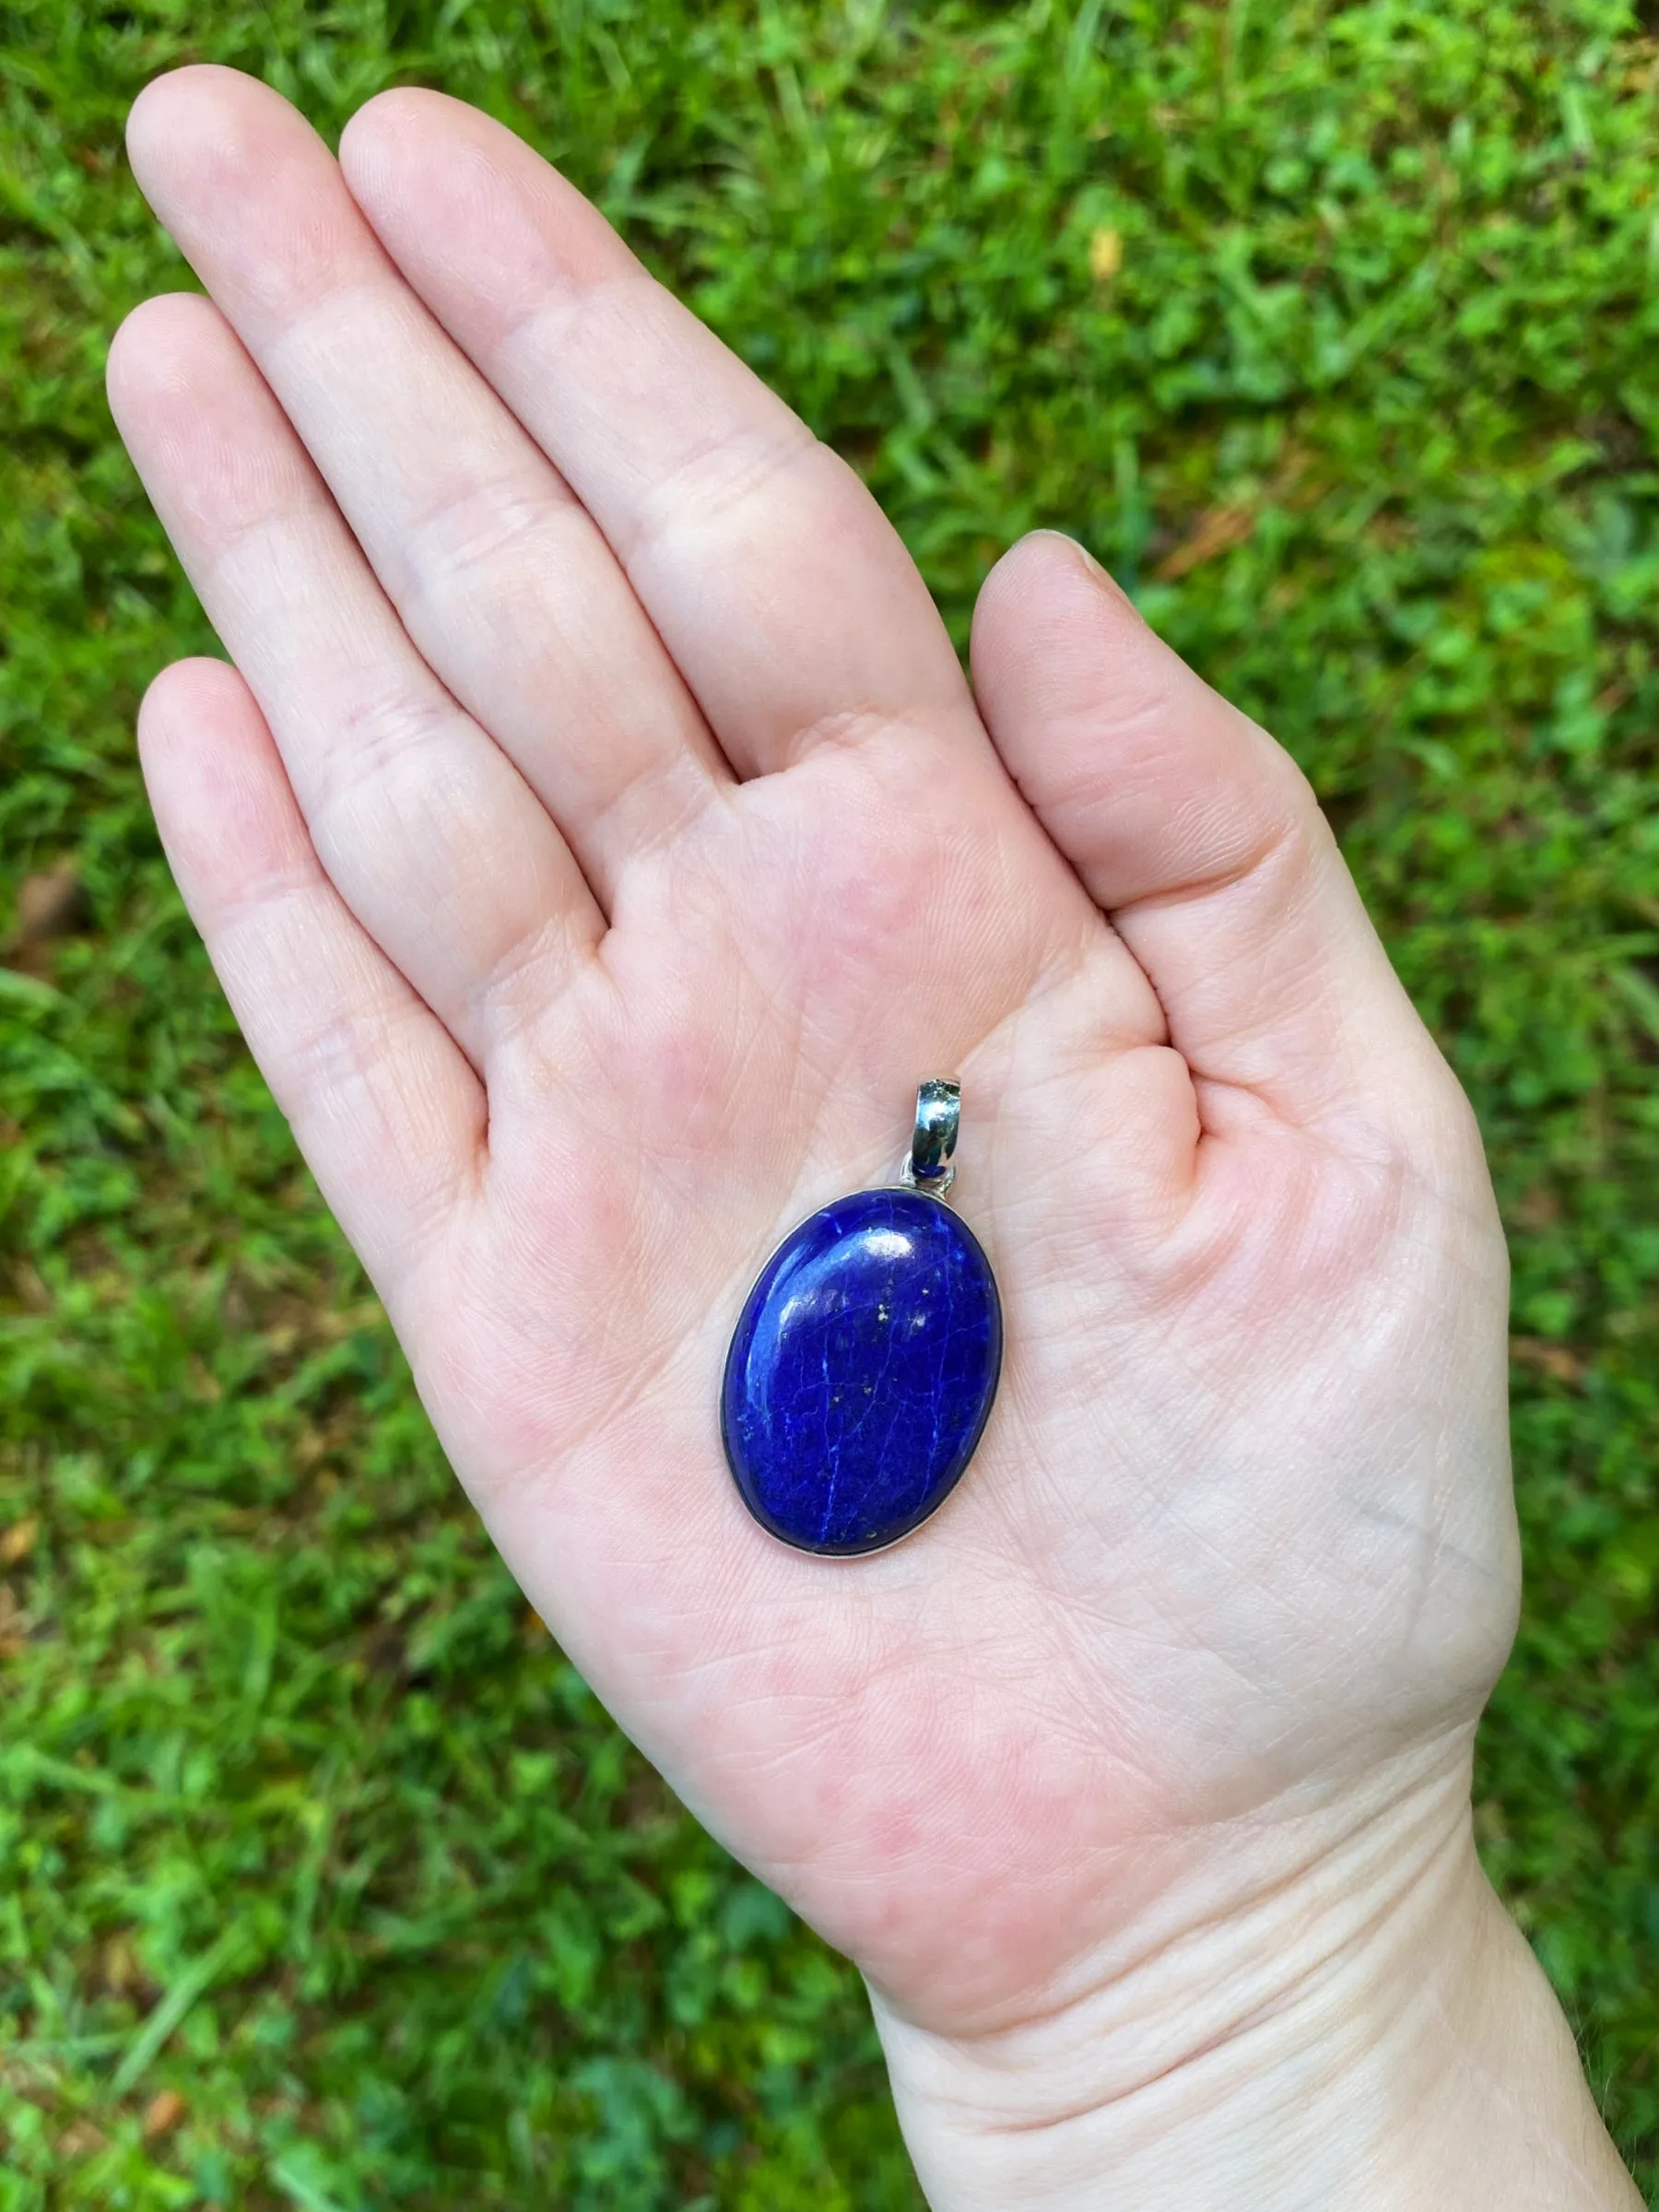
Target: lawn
{"points": [[1335, 330]]}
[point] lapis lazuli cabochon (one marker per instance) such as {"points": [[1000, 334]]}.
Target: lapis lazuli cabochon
{"points": [[861, 1372]]}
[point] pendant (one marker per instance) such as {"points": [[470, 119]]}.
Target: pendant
{"points": [[862, 1367]]}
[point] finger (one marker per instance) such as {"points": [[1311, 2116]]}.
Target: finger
{"points": [[423, 825], [385, 1107], [1199, 837], [500, 574], [780, 590]]}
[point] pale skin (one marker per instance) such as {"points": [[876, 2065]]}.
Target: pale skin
{"points": [[598, 840]]}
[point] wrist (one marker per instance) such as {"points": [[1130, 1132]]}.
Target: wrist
{"points": [[1329, 2007]]}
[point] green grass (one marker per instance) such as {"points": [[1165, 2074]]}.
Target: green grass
{"points": [[323, 1883]]}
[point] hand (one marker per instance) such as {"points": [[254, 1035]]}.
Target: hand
{"points": [[598, 840]]}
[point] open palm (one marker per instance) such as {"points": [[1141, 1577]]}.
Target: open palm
{"points": [[598, 840]]}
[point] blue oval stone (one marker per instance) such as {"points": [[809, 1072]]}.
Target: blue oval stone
{"points": [[861, 1372]]}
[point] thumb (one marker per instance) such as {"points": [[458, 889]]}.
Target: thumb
{"points": [[1202, 841]]}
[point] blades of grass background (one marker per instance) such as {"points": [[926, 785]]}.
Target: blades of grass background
{"points": [[1362, 399]]}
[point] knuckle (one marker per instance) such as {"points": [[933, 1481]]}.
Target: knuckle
{"points": [[480, 541], [378, 735]]}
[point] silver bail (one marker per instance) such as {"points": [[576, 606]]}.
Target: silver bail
{"points": [[933, 1139]]}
